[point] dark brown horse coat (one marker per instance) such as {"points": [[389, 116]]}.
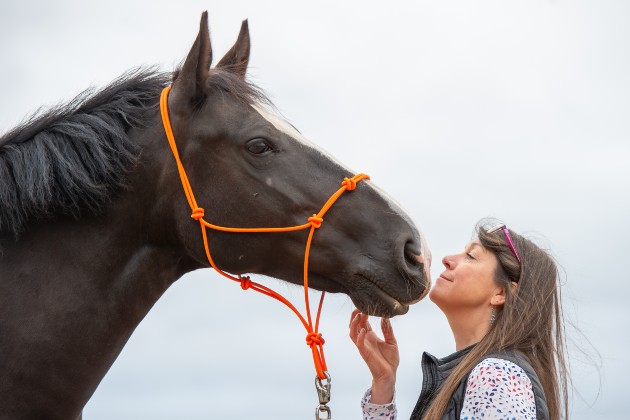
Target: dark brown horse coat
{"points": [[94, 226]]}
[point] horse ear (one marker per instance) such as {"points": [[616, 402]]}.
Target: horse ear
{"points": [[237, 58], [191, 79]]}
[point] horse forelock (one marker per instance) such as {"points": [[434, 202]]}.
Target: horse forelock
{"points": [[72, 157]]}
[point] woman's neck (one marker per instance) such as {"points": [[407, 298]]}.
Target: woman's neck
{"points": [[468, 328]]}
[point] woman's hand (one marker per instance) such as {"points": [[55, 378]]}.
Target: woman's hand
{"points": [[381, 356]]}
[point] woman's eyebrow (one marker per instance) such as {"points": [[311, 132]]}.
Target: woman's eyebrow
{"points": [[472, 245]]}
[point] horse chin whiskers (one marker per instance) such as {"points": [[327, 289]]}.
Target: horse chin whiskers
{"points": [[373, 300]]}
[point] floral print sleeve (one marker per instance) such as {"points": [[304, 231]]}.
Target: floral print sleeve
{"points": [[377, 411], [498, 389]]}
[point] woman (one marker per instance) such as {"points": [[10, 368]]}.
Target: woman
{"points": [[501, 297]]}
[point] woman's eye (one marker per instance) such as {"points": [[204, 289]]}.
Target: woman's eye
{"points": [[259, 147], [469, 256]]}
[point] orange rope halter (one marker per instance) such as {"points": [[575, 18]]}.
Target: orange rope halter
{"points": [[314, 339]]}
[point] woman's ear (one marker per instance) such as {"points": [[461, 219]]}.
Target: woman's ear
{"points": [[499, 297]]}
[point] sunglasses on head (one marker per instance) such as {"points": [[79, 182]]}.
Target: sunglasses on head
{"points": [[508, 238]]}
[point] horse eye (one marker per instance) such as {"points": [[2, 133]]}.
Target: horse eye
{"points": [[259, 147]]}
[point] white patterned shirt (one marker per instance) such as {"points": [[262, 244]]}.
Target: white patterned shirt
{"points": [[496, 389]]}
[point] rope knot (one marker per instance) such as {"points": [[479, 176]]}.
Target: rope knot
{"points": [[198, 213], [349, 183], [246, 282], [315, 221], [314, 339]]}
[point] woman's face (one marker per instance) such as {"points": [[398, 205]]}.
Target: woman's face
{"points": [[467, 282]]}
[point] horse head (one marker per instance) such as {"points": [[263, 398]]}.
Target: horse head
{"points": [[250, 168]]}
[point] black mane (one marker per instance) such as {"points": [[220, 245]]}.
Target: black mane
{"points": [[73, 156]]}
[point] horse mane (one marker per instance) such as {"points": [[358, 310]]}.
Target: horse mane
{"points": [[72, 157]]}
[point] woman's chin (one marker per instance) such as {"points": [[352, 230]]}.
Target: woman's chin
{"points": [[436, 295], [432, 296]]}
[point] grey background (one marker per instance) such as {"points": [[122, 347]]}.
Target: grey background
{"points": [[460, 110]]}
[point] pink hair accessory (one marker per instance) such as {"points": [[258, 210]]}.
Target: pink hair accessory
{"points": [[508, 238]]}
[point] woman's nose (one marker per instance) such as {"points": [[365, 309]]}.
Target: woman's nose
{"points": [[448, 261]]}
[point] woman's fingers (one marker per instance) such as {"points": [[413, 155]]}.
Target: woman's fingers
{"points": [[354, 326], [363, 322], [357, 322], [380, 356], [365, 345], [353, 315], [361, 342], [388, 331], [363, 336], [378, 363]]}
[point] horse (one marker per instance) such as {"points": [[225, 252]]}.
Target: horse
{"points": [[95, 227]]}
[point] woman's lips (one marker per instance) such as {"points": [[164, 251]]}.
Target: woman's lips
{"points": [[443, 277]]}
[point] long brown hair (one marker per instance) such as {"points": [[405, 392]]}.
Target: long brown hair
{"points": [[530, 321]]}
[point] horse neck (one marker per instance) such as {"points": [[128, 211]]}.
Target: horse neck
{"points": [[73, 291]]}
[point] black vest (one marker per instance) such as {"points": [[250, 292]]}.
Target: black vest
{"points": [[435, 371]]}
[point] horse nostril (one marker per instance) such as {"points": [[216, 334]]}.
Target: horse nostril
{"points": [[413, 255]]}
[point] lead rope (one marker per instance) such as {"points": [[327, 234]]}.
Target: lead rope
{"points": [[314, 338]]}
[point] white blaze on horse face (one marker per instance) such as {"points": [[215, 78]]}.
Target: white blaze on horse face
{"points": [[286, 128]]}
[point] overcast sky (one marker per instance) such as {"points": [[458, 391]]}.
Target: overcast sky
{"points": [[460, 110]]}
